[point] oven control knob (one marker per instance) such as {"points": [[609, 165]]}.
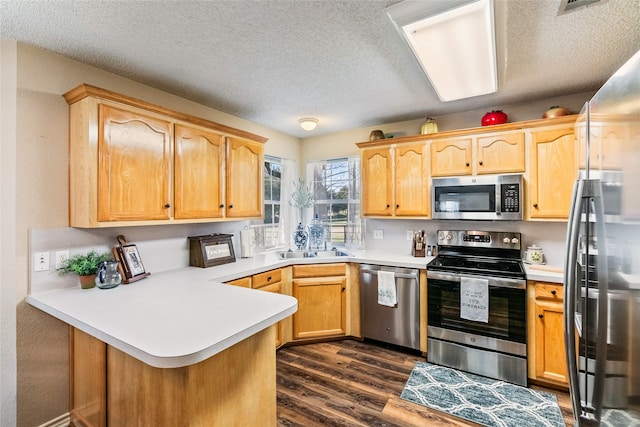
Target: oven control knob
{"points": [[515, 241], [506, 240]]}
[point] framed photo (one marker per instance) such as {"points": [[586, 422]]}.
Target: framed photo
{"points": [[210, 250], [130, 262], [133, 260]]}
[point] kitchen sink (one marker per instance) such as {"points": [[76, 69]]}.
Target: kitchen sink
{"points": [[311, 254]]}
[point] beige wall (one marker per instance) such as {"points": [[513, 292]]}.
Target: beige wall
{"points": [[40, 173]]}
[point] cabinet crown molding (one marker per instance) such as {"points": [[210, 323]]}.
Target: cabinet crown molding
{"points": [[85, 90], [528, 124]]}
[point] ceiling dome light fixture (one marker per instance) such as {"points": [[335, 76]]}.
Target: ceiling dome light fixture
{"points": [[308, 123]]}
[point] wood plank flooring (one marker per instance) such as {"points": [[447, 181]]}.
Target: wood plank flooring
{"points": [[353, 383]]}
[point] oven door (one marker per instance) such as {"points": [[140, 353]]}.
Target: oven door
{"points": [[502, 329]]}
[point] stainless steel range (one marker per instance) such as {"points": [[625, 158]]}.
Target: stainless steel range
{"points": [[477, 304]]}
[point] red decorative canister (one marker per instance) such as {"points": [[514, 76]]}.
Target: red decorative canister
{"points": [[496, 117]]}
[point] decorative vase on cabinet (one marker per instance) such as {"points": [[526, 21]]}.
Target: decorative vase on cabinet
{"points": [[300, 238], [316, 234]]}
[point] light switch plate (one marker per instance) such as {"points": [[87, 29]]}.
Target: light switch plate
{"points": [[378, 235], [409, 234]]}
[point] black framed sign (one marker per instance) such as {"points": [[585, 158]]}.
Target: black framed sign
{"points": [[210, 250]]}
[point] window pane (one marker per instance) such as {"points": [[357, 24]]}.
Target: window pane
{"points": [[276, 214], [267, 190], [268, 214], [275, 188]]}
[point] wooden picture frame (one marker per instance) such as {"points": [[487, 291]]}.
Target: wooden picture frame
{"points": [[209, 250], [130, 261]]}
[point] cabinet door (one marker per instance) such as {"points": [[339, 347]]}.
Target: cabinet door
{"points": [[411, 181], [244, 178], [551, 361], [502, 153], [198, 173], [134, 154], [376, 181], [275, 288], [321, 307], [553, 170], [451, 157], [243, 282]]}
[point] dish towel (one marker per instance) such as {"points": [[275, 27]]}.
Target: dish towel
{"points": [[474, 299], [387, 289]]}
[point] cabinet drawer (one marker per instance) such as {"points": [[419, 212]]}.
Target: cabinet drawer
{"points": [[266, 278], [244, 282], [319, 270], [549, 292]]}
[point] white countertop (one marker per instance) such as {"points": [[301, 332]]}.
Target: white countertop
{"points": [[181, 317], [170, 319]]}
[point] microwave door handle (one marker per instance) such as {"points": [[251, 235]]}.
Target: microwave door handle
{"points": [[570, 294]]}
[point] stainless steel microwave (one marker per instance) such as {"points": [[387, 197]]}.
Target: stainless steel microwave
{"points": [[486, 197]]}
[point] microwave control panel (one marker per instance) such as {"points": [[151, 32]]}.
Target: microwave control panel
{"points": [[510, 197]]}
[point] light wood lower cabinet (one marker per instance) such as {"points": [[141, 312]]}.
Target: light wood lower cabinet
{"points": [[546, 349], [271, 281], [321, 292], [235, 387]]}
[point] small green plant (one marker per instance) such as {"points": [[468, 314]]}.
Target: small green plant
{"points": [[84, 264]]}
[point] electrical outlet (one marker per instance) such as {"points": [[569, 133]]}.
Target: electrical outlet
{"points": [[378, 235], [40, 261], [61, 257], [409, 234]]}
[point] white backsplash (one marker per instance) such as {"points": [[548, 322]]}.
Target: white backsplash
{"points": [[550, 236], [166, 247]]}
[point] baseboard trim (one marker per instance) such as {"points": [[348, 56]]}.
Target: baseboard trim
{"points": [[63, 420]]}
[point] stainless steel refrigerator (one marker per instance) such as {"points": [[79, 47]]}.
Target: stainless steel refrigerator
{"points": [[602, 270]]}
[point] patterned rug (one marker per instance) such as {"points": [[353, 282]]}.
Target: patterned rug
{"points": [[481, 400]]}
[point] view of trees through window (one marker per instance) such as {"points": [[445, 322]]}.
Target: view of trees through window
{"points": [[268, 234], [336, 186]]}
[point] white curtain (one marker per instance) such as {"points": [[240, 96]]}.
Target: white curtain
{"points": [[288, 214]]}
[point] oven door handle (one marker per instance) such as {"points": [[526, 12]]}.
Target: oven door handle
{"points": [[499, 282]]}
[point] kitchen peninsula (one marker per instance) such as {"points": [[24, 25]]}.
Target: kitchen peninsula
{"points": [[173, 349]]}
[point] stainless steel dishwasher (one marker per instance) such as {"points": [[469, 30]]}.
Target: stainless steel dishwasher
{"points": [[399, 325]]}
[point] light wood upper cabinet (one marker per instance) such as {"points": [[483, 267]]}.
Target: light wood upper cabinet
{"points": [[376, 179], [134, 152], [451, 157], [411, 180], [395, 181], [135, 163], [199, 158], [245, 166], [553, 169], [476, 155], [500, 153]]}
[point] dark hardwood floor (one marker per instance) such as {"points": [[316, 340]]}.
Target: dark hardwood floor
{"points": [[352, 383]]}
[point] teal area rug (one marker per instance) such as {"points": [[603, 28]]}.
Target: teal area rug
{"points": [[481, 400]]}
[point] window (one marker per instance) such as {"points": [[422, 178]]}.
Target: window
{"points": [[336, 185], [267, 235]]}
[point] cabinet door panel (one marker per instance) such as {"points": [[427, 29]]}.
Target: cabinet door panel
{"points": [[500, 153], [244, 179], [198, 179], [451, 157], [553, 172], [411, 181], [550, 350], [377, 186], [134, 154], [321, 307]]}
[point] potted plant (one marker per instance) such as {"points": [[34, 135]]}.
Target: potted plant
{"points": [[85, 266]]}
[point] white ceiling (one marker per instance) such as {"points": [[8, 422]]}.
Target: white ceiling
{"points": [[341, 61]]}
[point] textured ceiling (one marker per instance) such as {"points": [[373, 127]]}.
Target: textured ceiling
{"points": [[342, 62]]}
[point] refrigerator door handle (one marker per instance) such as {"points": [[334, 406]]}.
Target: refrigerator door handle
{"points": [[595, 192], [570, 293]]}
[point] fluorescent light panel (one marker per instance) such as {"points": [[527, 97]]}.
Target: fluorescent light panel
{"points": [[455, 47]]}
